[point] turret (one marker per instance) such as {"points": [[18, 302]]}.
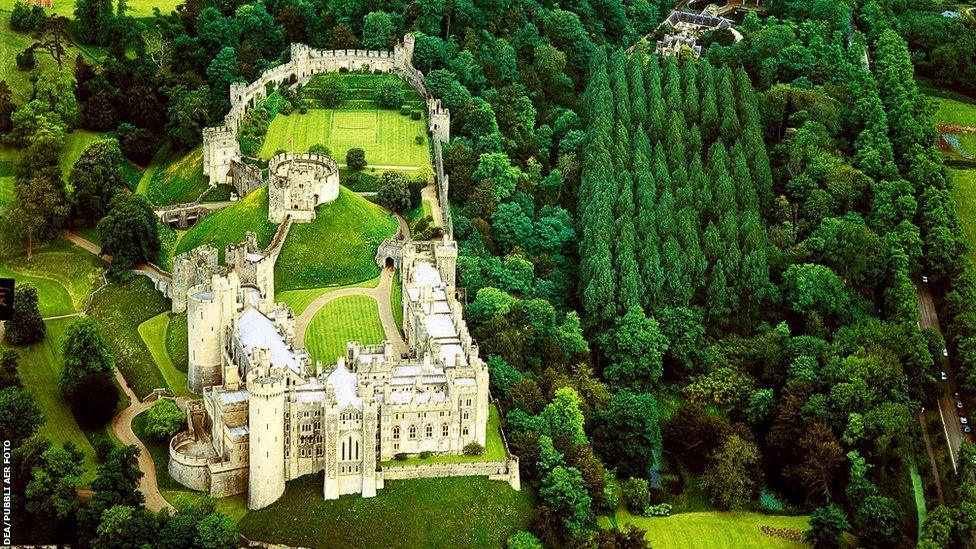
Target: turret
{"points": [[210, 307], [266, 407]]}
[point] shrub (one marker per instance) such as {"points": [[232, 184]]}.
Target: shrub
{"points": [[287, 108], [321, 149], [419, 140], [165, 419], [137, 144], [637, 494], [26, 326], [26, 18], [424, 176], [769, 503], [94, 400], [415, 114], [659, 510], [791, 534], [332, 91], [400, 456], [389, 94], [473, 449], [523, 540], [405, 110], [26, 60], [426, 454], [356, 158], [303, 109]]}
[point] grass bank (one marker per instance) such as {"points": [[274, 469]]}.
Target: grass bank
{"points": [[350, 318]]}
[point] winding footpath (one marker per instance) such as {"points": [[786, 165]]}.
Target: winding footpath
{"points": [[122, 423]]}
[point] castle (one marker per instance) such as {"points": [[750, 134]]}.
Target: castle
{"points": [[268, 414]]}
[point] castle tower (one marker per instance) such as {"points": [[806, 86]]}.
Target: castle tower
{"points": [[210, 308], [220, 148], [403, 52], [445, 254], [266, 407]]}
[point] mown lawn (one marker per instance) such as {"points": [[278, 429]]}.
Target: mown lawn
{"points": [[121, 307], [137, 8], [444, 512], [951, 108], [494, 447], [153, 333], [229, 225], [234, 506], [40, 372], [176, 342], [62, 273], [176, 177], [339, 247], [299, 300], [732, 530], [12, 43], [964, 195], [388, 137], [350, 318], [396, 301]]}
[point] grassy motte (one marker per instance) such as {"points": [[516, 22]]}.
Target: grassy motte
{"points": [[388, 137], [350, 318], [443, 512], [494, 447], [120, 308], [153, 333], [176, 177], [229, 225], [338, 248]]}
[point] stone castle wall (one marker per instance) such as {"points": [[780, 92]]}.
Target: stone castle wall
{"points": [[506, 470]]}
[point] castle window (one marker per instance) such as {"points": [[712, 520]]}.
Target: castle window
{"points": [[464, 432], [445, 430], [396, 432], [468, 402], [464, 416], [430, 431], [413, 432]]}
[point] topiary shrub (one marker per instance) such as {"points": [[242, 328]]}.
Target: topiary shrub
{"points": [[419, 140], [26, 60], [415, 114], [473, 449], [400, 456], [405, 110], [356, 158], [426, 454]]}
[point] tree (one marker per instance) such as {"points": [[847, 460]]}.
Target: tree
{"points": [[320, 149], [877, 521], [331, 90], [165, 419], [130, 231], [9, 360], [523, 540], [84, 352], [496, 169], [26, 18], [564, 492], [50, 113], [53, 36], [356, 158], [38, 211], [188, 114], [628, 432], [563, 416], [19, 415], [377, 30], [827, 527], [51, 494], [731, 478], [216, 531], [116, 483], [389, 93], [394, 192], [96, 178], [7, 107], [26, 326], [635, 348], [123, 526], [94, 17]]}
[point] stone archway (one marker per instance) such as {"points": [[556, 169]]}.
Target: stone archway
{"points": [[390, 263]]}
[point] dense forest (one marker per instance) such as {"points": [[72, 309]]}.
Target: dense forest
{"points": [[688, 275]]}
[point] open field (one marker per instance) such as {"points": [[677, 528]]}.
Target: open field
{"points": [[121, 308], [12, 43], [137, 8], [233, 506], [298, 300], [65, 264], [40, 371], [713, 529], [174, 177], [350, 318], [388, 137], [964, 195], [339, 247], [494, 447], [445, 512], [153, 333], [229, 225], [951, 108]]}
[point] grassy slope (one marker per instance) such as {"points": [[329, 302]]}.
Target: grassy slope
{"points": [[153, 333], [40, 371], [137, 8], [62, 273], [298, 300], [396, 301], [713, 529], [350, 318], [176, 177], [447, 512], [337, 248], [229, 225], [494, 447], [12, 43], [964, 195], [176, 343], [388, 137], [121, 308], [234, 506], [951, 108]]}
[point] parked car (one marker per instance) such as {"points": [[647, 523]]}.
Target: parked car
{"points": [[945, 352], [943, 376], [925, 279], [963, 420], [967, 429]]}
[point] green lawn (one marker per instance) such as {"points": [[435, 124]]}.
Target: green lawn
{"points": [[175, 177], [964, 195], [388, 137], [78, 141], [229, 225], [951, 108], [234, 506], [738, 530], [494, 447], [445, 512], [176, 343], [137, 8], [12, 43], [6, 190], [121, 308], [153, 333], [298, 300], [339, 247], [350, 318], [62, 273], [396, 301], [40, 371]]}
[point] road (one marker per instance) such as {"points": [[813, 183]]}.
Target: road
{"points": [[928, 318]]}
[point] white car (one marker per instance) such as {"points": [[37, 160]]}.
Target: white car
{"points": [[945, 352], [925, 279], [964, 421]]}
